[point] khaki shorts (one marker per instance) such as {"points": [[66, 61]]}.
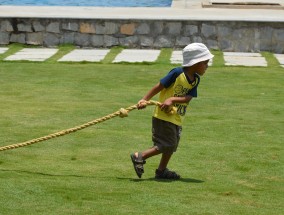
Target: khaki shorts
{"points": [[165, 135]]}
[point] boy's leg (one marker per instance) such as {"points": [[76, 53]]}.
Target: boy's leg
{"points": [[164, 161], [149, 153], [154, 151], [163, 172]]}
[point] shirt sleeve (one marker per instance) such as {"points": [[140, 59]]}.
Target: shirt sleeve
{"points": [[193, 92], [171, 77]]}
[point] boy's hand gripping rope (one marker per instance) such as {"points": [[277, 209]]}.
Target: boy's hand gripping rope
{"points": [[121, 113]]}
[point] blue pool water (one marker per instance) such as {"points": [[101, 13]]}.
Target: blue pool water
{"points": [[94, 3]]}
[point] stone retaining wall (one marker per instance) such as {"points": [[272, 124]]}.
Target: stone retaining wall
{"points": [[223, 35]]}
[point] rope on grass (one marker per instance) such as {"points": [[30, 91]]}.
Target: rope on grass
{"points": [[121, 113]]}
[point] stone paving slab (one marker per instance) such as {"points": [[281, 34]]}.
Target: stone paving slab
{"points": [[3, 50], [280, 58], [32, 54], [176, 58], [242, 54], [90, 55], [244, 59], [137, 55]]}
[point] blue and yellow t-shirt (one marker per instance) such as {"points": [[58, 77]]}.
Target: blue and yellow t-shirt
{"points": [[176, 84]]}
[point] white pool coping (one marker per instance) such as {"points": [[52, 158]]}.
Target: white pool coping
{"points": [[190, 10]]}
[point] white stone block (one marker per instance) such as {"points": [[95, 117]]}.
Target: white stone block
{"points": [[90, 55], [3, 50], [137, 55], [32, 54]]}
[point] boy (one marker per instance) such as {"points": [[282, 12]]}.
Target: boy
{"points": [[176, 89]]}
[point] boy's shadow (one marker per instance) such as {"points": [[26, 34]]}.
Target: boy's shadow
{"points": [[186, 180]]}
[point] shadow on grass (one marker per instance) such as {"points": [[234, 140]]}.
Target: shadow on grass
{"points": [[186, 180], [46, 174]]}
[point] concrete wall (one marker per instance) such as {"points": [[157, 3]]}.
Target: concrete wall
{"points": [[223, 35]]}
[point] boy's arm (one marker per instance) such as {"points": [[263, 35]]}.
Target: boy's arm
{"points": [[156, 89], [172, 100]]}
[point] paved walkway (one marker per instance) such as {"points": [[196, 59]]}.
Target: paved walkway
{"points": [[132, 56]]}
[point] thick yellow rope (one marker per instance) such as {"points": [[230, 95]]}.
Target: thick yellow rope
{"points": [[122, 113]]}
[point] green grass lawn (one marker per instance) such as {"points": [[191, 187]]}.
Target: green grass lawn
{"points": [[230, 155]]}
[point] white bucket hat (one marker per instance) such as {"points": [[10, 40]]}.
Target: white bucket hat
{"points": [[195, 53]]}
